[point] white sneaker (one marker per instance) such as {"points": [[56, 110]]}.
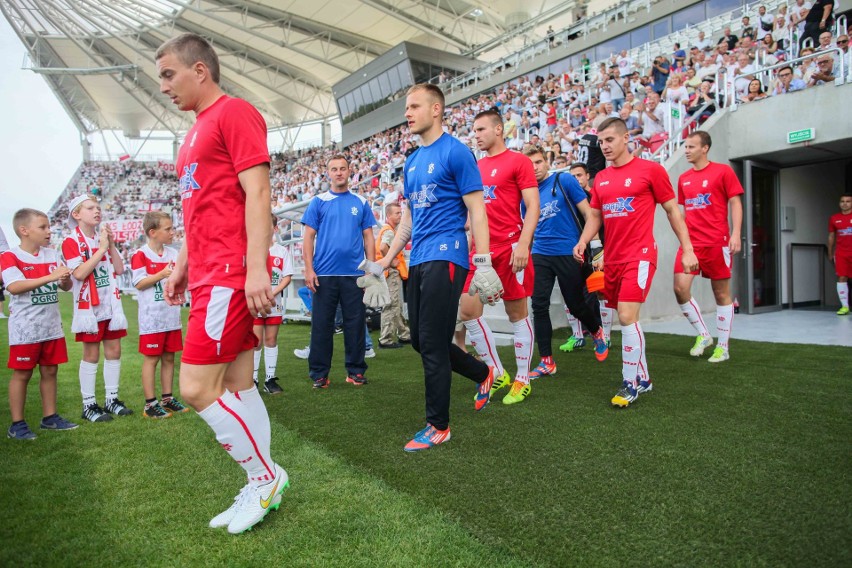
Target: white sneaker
{"points": [[256, 502], [302, 353], [701, 343], [3, 316], [369, 354], [224, 518]]}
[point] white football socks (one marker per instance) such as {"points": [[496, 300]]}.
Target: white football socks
{"points": [[523, 340], [632, 353], [724, 319], [88, 378], [843, 293], [112, 373], [257, 353], [482, 339], [230, 420], [693, 313], [270, 358]]}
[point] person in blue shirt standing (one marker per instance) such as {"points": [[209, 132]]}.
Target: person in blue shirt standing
{"points": [[443, 186], [555, 236], [338, 234]]}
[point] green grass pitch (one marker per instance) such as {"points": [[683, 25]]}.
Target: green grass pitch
{"points": [[747, 463]]}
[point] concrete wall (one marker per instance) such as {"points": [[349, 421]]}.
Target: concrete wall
{"points": [[813, 192]]}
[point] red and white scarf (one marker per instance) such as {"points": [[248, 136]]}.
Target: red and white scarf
{"points": [[84, 319]]}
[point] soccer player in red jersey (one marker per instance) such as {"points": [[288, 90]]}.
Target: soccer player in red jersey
{"points": [[840, 249], [508, 178], [705, 192], [223, 166], [624, 199]]}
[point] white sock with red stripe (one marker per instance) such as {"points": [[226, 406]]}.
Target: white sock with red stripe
{"points": [[259, 417], [257, 353], [631, 352], [724, 319], [523, 340], [843, 293], [482, 339], [692, 313], [270, 358], [229, 418], [112, 373], [606, 319], [576, 326], [88, 378]]}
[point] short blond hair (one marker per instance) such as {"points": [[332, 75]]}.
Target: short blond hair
{"points": [[24, 216], [152, 220]]}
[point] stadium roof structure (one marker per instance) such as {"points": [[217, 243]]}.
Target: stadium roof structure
{"points": [[281, 55]]}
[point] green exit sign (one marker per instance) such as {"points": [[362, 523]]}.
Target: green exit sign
{"points": [[797, 136]]}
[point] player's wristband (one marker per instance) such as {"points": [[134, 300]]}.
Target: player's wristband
{"points": [[596, 244], [482, 260]]}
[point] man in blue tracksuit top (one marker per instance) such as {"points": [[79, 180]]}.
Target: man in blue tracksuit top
{"points": [[342, 224], [555, 236], [443, 186]]}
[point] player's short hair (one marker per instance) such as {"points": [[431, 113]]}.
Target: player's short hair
{"points": [[390, 206], [191, 48], [338, 157], [615, 123], [24, 216], [433, 90], [493, 114], [531, 150], [152, 220], [576, 165], [703, 137], [846, 194]]}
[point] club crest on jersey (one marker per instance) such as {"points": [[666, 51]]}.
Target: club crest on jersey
{"points": [[425, 197], [700, 201], [549, 210], [277, 262], [704, 183], [354, 210], [431, 169], [489, 192], [627, 182], [188, 182], [620, 207], [494, 172]]}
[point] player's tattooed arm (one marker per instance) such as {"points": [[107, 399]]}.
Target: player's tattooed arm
{"points": [[403, 235]]}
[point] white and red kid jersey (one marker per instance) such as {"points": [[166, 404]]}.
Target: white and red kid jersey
{"points": [[503, 178], [627, 197], [226, 139], [155, 315], [704, 195], [278, 264], [841, 226], [34, 315], [73, 259]]}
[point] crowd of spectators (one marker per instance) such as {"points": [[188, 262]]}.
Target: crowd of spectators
{"points": [[554, 112]]}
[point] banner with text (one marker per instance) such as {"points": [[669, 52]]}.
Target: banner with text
{"points": [[124, 230]]}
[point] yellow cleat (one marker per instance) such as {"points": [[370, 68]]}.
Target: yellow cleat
{"points": [[518, 393], [502, 381]]}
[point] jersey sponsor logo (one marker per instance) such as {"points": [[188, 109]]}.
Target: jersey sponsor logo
{"points": [[188, 183], [489, 192], [44, 294], [700, 201], [101, 277], [620, 207], [603, 183], [425, 197], [549, 210], [158, 292], [847, 232], [431, 169]]}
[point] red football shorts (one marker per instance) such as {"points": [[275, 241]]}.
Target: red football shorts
{"points": [[713, 262], [27, 356], [155, 344], [271, 320], [219, 328], [628, 281], [516, 285], [102, 334], [843, 265]]}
